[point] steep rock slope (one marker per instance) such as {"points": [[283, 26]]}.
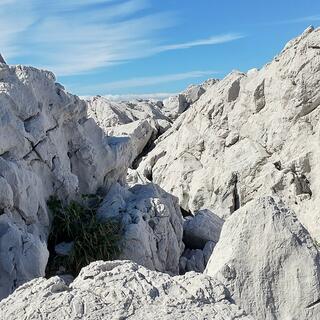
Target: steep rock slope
{"points": [[249, 135], [122, 290], [268, 262]]}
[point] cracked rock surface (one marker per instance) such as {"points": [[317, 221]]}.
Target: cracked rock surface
{"points": [[249, 135], [48, 146], [122, 290], [152, 223]]}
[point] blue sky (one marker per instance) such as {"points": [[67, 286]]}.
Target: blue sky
{"points": [[152, 47]]}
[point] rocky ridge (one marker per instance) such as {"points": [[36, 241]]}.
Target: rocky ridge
{"points": [[249, 135]]}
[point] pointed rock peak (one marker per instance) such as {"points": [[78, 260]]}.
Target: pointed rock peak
{"points": [[1, 59]]}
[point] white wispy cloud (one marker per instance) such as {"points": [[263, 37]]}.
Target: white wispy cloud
{"points": [[308, 19], [313, 18], [79, 36], [203, 42], [149, 81]]}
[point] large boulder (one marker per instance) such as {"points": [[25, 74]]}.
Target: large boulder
{"points": [[269, 262], [152, 225], [122, 290], [248, 135]]}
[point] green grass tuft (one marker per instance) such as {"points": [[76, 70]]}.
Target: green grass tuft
{"points": [[93, 240]]}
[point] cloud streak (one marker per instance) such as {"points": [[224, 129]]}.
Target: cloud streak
{"points": [[204, 42], [313, 18], [79, 36], [150, 81]]}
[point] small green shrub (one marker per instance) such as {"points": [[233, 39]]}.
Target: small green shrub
{"points": [[77, 222]]}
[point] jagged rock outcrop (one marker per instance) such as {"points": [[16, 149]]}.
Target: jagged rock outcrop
{"points": [[122, 290], [48, 146], [176, 105], [140, 121], [152, 223], [249, 135], [269, 262], [109, 114]]}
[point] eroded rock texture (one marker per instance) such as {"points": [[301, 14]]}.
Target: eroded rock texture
{"points": [[152, 223], [48, 146], [269, 262], [122, 290], [250, 134], [139, 123]]}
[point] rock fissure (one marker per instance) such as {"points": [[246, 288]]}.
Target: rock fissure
{"points": [[313, 304]]}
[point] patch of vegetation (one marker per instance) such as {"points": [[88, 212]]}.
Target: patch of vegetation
{"points": [[92, 239]]}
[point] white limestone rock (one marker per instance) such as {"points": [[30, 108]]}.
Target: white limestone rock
{"points": [[137, 135], [141, 122], [174, 106], [152, 223], [122, 290], [249, 135], [268, 262], [48, 146], [109, 114]]}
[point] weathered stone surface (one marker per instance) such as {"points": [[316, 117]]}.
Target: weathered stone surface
{"points": [[111, 114], [141, 122], [249, 135], [48, 146], [137, 135], [223, 145], [268, 262], [152, 223], [176, 105], [122, 290]]}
